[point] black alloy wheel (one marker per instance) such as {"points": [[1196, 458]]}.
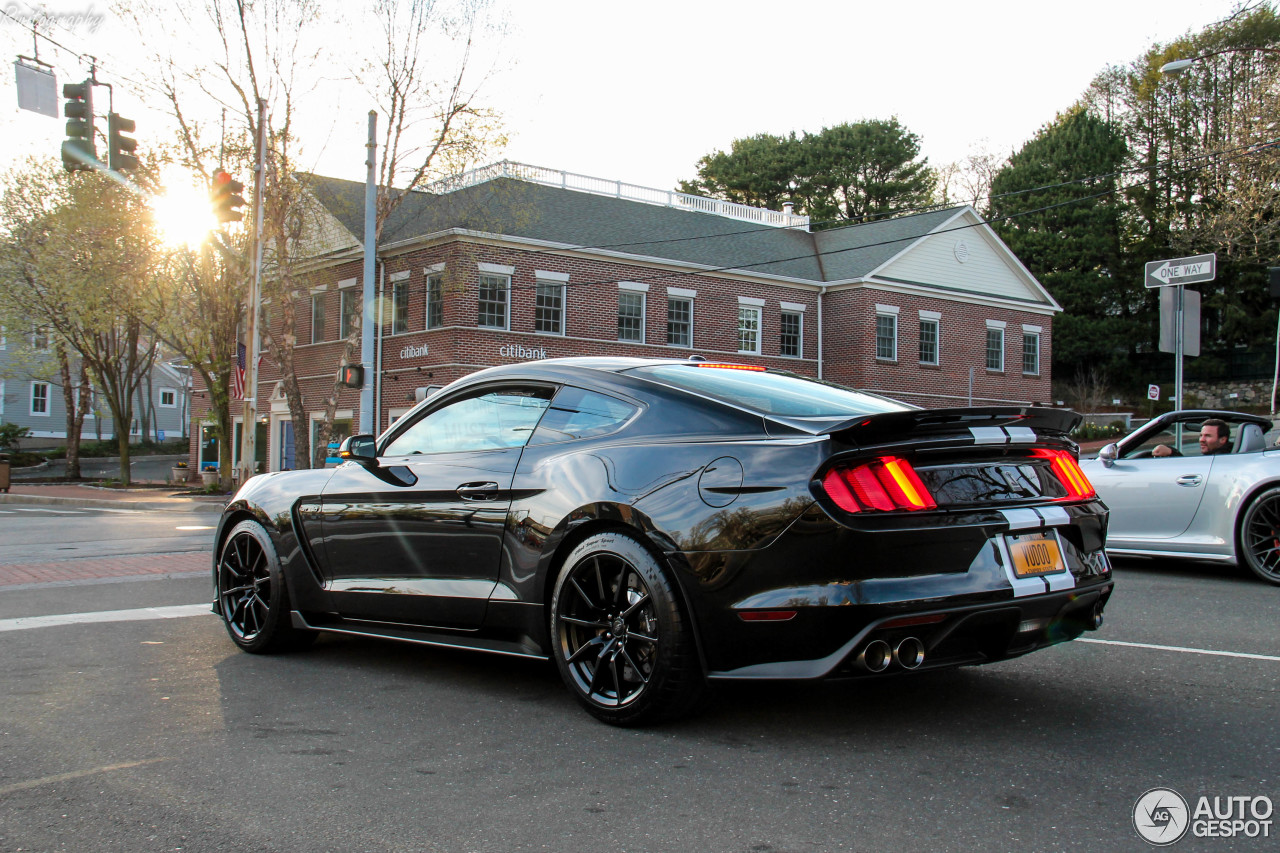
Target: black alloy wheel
{"points": [[252, 599], [621, 639], [1260, 536]]}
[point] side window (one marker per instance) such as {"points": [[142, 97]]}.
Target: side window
{"points": [[490, 420], [581, 414]]}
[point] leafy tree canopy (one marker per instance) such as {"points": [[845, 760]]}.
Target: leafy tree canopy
{"points": [[853, 172]]}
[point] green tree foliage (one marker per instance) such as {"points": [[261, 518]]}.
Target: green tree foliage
{"points": [[1064, 223], [1202, 177], [81, 258], [852, 172]]}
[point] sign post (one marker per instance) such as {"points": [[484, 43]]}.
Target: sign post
{"points": [[1177, 272]]}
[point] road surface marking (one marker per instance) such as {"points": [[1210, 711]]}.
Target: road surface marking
{"points": [[1182, 649], [142, 613], [79, 774], [46, 509]]}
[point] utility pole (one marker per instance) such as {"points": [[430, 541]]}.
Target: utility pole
{"points": [[249, 428], [367, 295]]}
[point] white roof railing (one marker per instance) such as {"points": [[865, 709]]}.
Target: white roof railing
{"points": [[616, 189]]}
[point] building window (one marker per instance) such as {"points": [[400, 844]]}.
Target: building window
{"points": [[1031, 353], [40, 339], [631, 316], [168, 398], [400, 306], [887, 337], [494, 291], [748, 329], [317, 317], [792, 328], [548, 308], [995, 349], [40, 399], [349, 310], [679, 321], [435, 301], [928, 340]]}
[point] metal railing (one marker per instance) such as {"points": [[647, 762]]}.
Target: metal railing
{"points": [[617, 189]]}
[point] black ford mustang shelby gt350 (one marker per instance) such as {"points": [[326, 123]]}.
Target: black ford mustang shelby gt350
{"points": [[654, 524]]}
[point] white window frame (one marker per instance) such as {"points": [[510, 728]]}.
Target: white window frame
{"points": [[1029, 332], [888, 312], [750, 311], [642, 291], [546, 283], [433, 274], [173, 403], [679, 294], [317, 298], [48, 399], [36, 333], [347, 290], [399, 282], [496, 271], [933, 318], [994, 327], [792, 309]]}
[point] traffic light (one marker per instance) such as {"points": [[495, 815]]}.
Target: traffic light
{"points": [[226, 198], [79, 150], [120, 148], [351, 375]]}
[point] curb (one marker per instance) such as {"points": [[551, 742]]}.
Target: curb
{"points": [[172, 504]]}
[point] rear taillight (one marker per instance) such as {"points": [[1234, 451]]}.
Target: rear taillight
{"points": [[886, 483], [1068, 472]]}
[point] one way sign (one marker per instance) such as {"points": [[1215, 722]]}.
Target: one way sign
{"points": [[1181, 271]]}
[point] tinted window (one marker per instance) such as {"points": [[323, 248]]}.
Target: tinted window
{"points": [[581, 414], [769, 393], [493, 420]]}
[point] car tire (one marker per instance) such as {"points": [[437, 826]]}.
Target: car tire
{"points": [[1259, 536], [251, 596], [620, 635]]}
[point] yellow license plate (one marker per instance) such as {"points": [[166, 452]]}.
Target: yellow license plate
{"points": [[1035, 554]]}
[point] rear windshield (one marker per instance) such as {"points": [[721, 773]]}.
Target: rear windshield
{"points": [[769, 393]]}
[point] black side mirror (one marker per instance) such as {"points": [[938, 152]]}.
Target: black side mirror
{"points": [[359, 448]]}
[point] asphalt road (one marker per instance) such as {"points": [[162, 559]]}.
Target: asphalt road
{"points": [[159, 735]]}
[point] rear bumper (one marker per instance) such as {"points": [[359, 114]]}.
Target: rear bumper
{"points": [[949, 637], [825, 590]]}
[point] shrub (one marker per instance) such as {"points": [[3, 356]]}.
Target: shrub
{"points": [[11, 436], [1093, 432]]}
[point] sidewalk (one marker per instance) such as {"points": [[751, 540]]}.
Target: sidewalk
{"points": [[94, 496]]}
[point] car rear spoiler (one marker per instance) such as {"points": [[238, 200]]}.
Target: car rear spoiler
{"points": [[993, 425]]}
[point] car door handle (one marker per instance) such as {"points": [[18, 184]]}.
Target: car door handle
{"points": [[1189, 480], [478, 491]]}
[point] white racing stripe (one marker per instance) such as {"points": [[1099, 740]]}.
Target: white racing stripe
{"points": [[1182, 649], [177, 611]]}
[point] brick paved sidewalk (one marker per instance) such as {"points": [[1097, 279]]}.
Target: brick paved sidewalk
{"points": [[100, 568]]}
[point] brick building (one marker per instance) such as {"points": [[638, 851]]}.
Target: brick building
{"points": [[512, 263]]}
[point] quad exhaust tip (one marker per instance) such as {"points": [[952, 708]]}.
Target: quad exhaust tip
{"points": [[909, 653], [875, 656]]}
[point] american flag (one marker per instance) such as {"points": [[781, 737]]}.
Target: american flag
{"points": [[237, 375]]}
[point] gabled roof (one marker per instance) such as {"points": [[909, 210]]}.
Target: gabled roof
{"points": [[590, 222]]}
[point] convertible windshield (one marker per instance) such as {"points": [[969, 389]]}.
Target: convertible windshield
{"points": [[769, 393]]}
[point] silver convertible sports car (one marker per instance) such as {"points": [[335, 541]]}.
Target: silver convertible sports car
{"points": [[1199, 484]]}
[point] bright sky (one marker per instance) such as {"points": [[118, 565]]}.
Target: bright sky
{"points": [[639, 91]]}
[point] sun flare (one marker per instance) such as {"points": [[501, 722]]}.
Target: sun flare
{"points": [[183, 213]]}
